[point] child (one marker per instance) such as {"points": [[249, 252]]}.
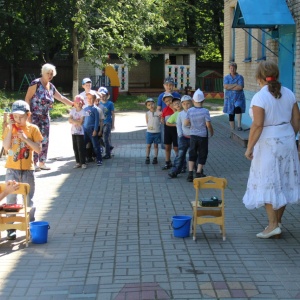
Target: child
{"points": [[198, 118], [183, 133], [109, 119], [87, 86], [76, 119], [91, 124], [176, 105], [170, 133], [21, 139], [153, 130], [101, 117], [169, 85]]}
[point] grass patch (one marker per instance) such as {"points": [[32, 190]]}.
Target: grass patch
{"points": [[130, 103]]}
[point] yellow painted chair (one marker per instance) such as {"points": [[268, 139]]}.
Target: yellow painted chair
{"points": [[21, 218], [203, 215]]}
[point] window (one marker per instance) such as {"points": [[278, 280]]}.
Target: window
{"points": [[261, 49], [248, 45], [232, 38]]}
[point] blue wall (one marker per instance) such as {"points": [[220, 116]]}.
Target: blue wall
{"points": [[246, 120]]}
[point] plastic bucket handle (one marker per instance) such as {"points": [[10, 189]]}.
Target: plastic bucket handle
{"points": [[181, 225]]}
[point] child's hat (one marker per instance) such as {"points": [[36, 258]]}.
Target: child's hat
{"points": [[198, 96], [186, 98], [167, 95], [20, 107], [175, 98], [79, 99], [104, 91], [169, 80], [85, 80], [149, 100]]}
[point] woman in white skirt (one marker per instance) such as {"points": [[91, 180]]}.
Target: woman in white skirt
{"points": [[274, 179]]}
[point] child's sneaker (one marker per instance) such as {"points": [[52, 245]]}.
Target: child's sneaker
{"points": [[99, 163], [147, 161], [200, 175], [172, 175], [77, 166], [190, 177], [83, 166], [11, 234], [154, 161], [167, 166]]}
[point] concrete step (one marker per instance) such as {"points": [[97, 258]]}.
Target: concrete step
{"points": [[240, 137]]}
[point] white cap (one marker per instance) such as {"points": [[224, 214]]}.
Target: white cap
{"points": [[198, 96]]}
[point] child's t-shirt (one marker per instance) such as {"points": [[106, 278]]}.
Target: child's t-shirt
{"points": [[153, 125], [20, 155], [181, 129], [166, 113], [198, 117], [77, 115], [91, 118], [173, 118], [107, 109]]}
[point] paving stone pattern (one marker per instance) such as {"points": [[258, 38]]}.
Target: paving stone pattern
{"points": [[111, 236]]}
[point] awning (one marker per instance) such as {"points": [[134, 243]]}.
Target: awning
{"points": [[261, 14]]}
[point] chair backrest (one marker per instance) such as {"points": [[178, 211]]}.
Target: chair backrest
{"points": [[210, 182]]}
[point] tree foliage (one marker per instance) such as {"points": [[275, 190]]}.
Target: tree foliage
{"points": [[42, 29]]}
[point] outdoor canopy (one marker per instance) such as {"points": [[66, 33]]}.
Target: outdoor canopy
{"points": [[261, 14]]}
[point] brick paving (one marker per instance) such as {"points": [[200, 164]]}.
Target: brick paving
{"points": [[111, 236]]}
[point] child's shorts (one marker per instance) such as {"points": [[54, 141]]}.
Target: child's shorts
{"points": [[154, 138], [171, 136]]}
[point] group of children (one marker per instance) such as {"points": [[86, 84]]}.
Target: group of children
{"points": [[92, 119], [186, 124]]}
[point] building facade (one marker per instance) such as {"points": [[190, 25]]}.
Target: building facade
{"points": [[262, 30], [176, 62]]}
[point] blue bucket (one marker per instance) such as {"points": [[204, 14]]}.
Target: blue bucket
{"points": [[181, 226], [39, 232]]}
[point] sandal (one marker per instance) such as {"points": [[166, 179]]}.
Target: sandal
{"points": [[44, 167], [37, 168]]}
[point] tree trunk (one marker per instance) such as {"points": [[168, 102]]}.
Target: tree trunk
{"points": [[75, 62]]}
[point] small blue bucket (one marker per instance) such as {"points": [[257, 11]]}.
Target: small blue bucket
{"points": [[181, 226], [39, 232]]}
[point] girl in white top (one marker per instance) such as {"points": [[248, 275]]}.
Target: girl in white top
{"points": [[76, 119]]}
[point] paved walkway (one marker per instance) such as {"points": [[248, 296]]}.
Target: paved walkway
{"points": [[111, 236]]}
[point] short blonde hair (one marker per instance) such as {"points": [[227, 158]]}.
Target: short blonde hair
{"points": [[48, 67]]}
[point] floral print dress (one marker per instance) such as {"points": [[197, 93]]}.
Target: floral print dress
{"points": [[40, 104]]}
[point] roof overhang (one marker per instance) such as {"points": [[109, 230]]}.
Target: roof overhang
{"points": [[261, 14]]}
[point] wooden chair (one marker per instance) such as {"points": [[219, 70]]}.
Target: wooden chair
{"points": [[203, 215], [20, 218]]}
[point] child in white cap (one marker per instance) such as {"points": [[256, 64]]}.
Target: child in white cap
{"points": [[198, 118]]}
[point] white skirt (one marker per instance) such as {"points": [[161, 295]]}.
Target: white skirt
{"points": [[274, 173]]}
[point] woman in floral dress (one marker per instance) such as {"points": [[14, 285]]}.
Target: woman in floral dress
{"points": [[40, 97]]}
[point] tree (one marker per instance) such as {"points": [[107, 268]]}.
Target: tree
{"points": [[194, 23], [101, 27]]}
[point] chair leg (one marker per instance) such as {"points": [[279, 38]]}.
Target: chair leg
{"points": [[194, 227]]}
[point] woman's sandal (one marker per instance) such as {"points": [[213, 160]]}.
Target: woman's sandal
{"points": [[44, 167]]}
